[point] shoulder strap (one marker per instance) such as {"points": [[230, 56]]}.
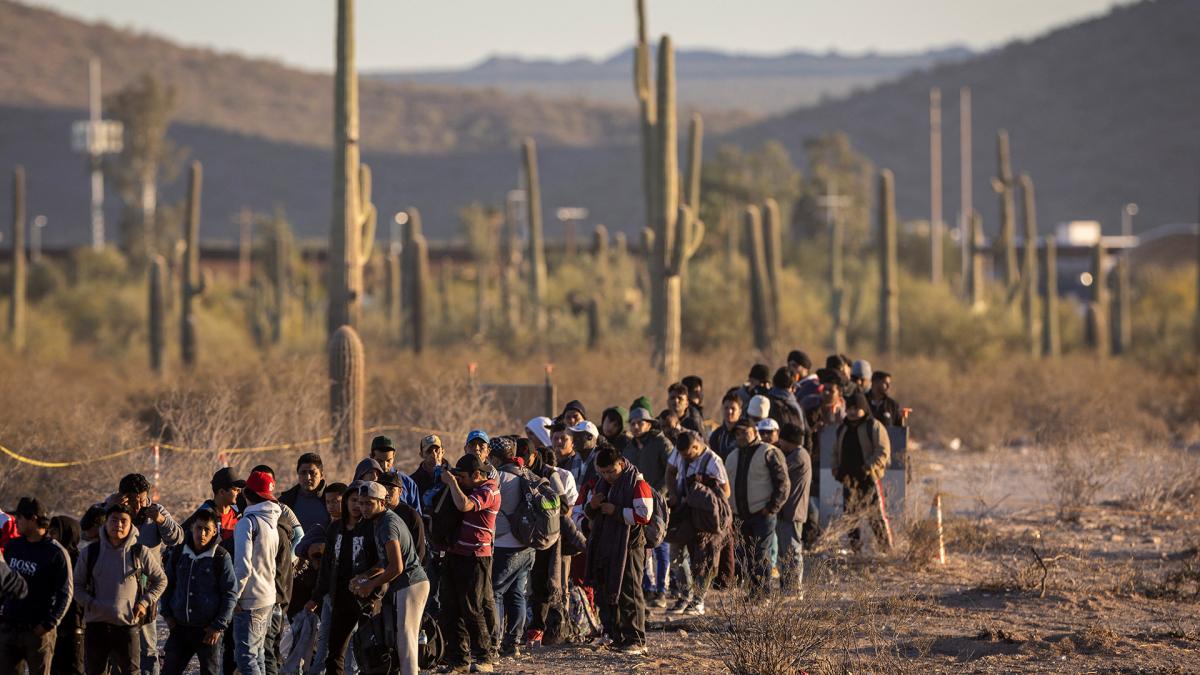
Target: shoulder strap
{"points": [[89, 582]]}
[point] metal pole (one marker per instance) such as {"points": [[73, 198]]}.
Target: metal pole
{"points": [[966, 207], [35, 255], [97, 175], [935, 185]]}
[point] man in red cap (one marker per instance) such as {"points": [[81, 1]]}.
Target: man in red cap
{"points": [[255, 544]]}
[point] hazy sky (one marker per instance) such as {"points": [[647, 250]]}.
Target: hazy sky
{"points": [[411, 34]]}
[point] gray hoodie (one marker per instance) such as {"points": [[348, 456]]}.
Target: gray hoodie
{"points": [[114, 581], [255, 544]]}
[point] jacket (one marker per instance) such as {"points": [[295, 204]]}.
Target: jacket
{"points": [[46, 567], [255, 544], [113, 592], [619, 440], [722, 441], [875, 444], [758, 479], [651, 453], [887, 411], [800, 473], [201, 587], [693, 418], [314, 514]]}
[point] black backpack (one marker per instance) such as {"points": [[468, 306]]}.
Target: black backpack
{"points": [[537, 519], [374, 643], [445, 520]]}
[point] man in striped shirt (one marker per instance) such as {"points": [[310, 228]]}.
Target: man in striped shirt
{"points": [[618, 505], [467, 573]]}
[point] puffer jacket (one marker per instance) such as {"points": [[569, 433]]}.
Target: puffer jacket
{"points": [[875, 444], [113, 591], [201, 587]]}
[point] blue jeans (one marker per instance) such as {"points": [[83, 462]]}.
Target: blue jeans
{"points": [[791, 554], [510, 578], [758, 546], [662, 563], [249, 639], [149, 640]]}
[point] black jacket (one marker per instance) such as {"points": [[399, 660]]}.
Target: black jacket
{"points": [[46, 568], [693, 419], [722, 441], [887, 411]]}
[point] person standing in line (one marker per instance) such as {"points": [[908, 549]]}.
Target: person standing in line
{"points": [[759, 480], [118, 581], [255, 547], [30, 624], [201, 593]]}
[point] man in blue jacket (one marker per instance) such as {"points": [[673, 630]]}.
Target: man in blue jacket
{"points": [[201, 592], [28, 626]]}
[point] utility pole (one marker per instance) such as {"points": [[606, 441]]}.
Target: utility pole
{"points": [[935, 186], [245, 221], [95, 138], [966, 207], [832, 203]]}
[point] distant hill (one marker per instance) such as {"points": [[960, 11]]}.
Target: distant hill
{"points": [[44, 55], [708, 80], [1100, 113]]}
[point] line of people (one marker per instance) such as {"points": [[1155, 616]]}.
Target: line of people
{"points": [[566, 532]]}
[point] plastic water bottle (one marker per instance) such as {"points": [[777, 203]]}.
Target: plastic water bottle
{"points": [[422, 639]]}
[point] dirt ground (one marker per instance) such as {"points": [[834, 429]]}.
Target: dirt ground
{"points": [[1119, 595]]}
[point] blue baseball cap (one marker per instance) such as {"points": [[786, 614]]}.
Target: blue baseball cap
{"points": [[478, 434]]}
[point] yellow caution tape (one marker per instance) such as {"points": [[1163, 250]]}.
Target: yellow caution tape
{"points": [[63, 465], [229, 451]]}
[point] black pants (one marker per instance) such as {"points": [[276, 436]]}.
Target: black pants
{"points": [[105, 642], [545, 585], [863, 498], [726, 569], [342, 622], [467, 599], [68, 650], [625, 622], [21, 647], [186, 642]]}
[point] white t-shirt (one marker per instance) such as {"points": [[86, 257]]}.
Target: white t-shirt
{"points": [[707, 464]]}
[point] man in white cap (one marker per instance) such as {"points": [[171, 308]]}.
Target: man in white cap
{"points": [[768, 431]]}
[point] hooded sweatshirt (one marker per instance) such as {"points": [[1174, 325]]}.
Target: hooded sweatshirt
{"points": [[619, 440], [255, 545], [114, 591]]}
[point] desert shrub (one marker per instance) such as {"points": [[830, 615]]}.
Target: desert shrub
{"points": [[107, 265], [1077, 470], [45, 278]]}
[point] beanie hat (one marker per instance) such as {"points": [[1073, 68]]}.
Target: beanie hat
{"points": [[620, 413], [859, 401], [759, 406], [760, 372], [861, 369], [797, 356], [576, 406]]}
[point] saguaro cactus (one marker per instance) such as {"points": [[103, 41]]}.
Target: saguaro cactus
{"points": [[1004, 186], [352, 233], [191, 284], [1051, 342], [419, 298], [975, 282], [347, 392], [760, 312], [648, 107], [1029, 273], [773, 249], [1122, 324], [16, 304], [889, 287], [394, 320], [157, 311], [537, 246], [1097, 311], [280, 268], [510, 266], [837, 286]]}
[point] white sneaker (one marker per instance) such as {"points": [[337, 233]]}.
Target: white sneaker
{"points": [[694, 609], [680, 605]]}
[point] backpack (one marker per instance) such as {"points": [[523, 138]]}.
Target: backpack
{"points": [[583, 624], [444, 520], [537, 520], [430, 646], [656, 529], [374, 643], [285, 567], [143, 580], [708, 511]]}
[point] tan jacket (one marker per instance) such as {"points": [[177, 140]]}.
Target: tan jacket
{"points": [[875, 444]]}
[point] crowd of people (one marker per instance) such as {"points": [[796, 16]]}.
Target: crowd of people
{"points": [[568, 531]]}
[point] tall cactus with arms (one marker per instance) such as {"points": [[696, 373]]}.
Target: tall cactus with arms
{"points": [[352, 234], [192, 283]]}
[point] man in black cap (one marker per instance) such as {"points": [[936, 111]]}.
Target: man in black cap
{"points": [[28, 626], [757, 383], [383, 451], [860, 457], [416, 526], [225, 490]]}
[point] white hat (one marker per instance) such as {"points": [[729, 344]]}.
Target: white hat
{"points": [[759, 407], [540, 427], [861, 368], [586, 427], [768, 425]]}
